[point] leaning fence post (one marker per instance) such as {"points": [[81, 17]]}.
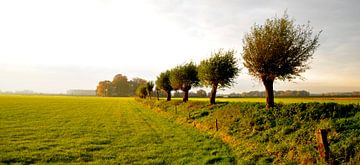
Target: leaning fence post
{"points": [[323, 145]]}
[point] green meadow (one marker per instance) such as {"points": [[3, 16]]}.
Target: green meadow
{"points": [[113, 130], [59, 129]]}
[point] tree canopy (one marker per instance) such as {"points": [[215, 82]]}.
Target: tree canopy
{"points": [[201, 93], [279, 49], [104, 88], [219, 70], [120, 85]]}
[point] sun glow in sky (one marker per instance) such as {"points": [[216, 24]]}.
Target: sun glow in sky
{"points": [[53, 46]]}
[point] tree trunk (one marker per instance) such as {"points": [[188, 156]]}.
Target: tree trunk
{"points": [[168, 95], [186, 96], [213, 93], [269, 92], [157, 95]]}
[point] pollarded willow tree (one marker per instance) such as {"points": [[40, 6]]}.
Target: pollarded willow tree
{"points": [[279, 49], [141, 91], [219, 71], [149, 88], [183, 77], [163, 82]]}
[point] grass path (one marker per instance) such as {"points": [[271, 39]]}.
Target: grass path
{"points": [[42, 129]]}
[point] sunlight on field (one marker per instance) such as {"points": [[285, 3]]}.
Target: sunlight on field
{"points": [[59, 129]]}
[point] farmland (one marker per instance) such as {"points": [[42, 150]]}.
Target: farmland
{"points": [[97, 130], [57, 129]]}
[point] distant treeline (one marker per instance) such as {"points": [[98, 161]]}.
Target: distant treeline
{"points": [[22, 92], [343, 94], [293, 93], [120, 86], [81, 92], [287, 93], [199, 93]]}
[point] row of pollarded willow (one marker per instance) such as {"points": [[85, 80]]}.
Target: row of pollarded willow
{"points": [[218, 71], [182, 77], [279, 49]]}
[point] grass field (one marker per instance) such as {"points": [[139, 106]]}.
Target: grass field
{"points": [[339, 100], [55, 129], [284, 134]]}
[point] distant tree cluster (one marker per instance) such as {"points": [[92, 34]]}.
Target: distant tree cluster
{"points": [[119, 87]]}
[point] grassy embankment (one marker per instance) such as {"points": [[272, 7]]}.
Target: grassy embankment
{"points": [[51, 129], [288, 100], [285, 134]]}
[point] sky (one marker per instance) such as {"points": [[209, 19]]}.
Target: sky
{"points": [[52, 46]]}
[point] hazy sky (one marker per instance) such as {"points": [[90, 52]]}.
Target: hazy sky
{"points": [[53, 46]]}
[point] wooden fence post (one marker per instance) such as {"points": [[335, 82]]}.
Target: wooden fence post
{"points": [[216, 125], [323, 145]]}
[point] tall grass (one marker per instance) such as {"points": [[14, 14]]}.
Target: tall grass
{"points": [[282, 135]]}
